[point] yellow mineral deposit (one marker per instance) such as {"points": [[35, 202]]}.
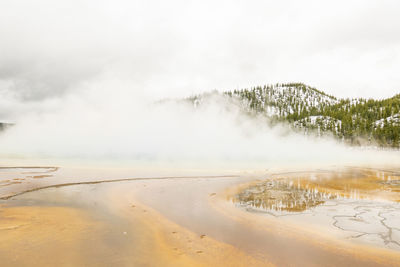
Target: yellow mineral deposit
{"points": [[345, 217]]}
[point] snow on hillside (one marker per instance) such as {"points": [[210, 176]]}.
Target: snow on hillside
{"points": [[306, 108], [321, 123], [284, 99], [395, 119]]}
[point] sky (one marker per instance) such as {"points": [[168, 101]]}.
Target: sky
{"points": [[178, 48], [80, 77]]}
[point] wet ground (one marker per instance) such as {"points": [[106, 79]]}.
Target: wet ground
{"points": [[363, 204], [75, 217]]}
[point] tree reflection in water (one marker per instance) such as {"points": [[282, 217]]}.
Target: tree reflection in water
{"points": [[281, 195]]}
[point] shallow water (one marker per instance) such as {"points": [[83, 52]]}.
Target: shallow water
{"points": [[361, 205], [281, 195], [186, 221]]}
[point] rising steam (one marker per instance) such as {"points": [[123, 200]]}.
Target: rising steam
{"points": [[108, 120], [81, 78]]}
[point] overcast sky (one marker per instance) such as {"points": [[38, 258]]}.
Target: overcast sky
{"points": [[177, 48]]}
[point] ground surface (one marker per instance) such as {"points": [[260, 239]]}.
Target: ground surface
{"points": [[109, 218]]}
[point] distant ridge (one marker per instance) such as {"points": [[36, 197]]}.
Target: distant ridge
{"points": [[357, 121]]}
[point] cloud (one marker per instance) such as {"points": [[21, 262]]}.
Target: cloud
{"points": [[348, 48], [78, 77], [127, 126]]}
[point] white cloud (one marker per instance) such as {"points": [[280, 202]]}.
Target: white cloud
{"points": [[70, 68], [348, 48]]}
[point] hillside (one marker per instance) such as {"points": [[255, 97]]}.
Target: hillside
{"points": [[355, 121]]}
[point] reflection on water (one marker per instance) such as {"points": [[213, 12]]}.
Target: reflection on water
{"points": [[299, 192], [281, 195]]}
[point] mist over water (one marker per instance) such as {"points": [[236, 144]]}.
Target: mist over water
{"points": [[81, 79], [108, 121]]}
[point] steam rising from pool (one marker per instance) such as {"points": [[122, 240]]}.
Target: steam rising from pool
{"points": [[112, 120]]}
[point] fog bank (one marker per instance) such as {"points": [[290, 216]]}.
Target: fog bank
{"points": [[108, 121]]}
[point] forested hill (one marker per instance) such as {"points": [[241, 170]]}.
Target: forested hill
{"points": [[357, 121]]}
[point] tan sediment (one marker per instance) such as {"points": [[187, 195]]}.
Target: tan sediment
{"points": [[29, 167], [92, 182], [321, 240], [174, 245], [40, 176], [298, 192], [44, 236], [65, 236], [364, 182]]}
